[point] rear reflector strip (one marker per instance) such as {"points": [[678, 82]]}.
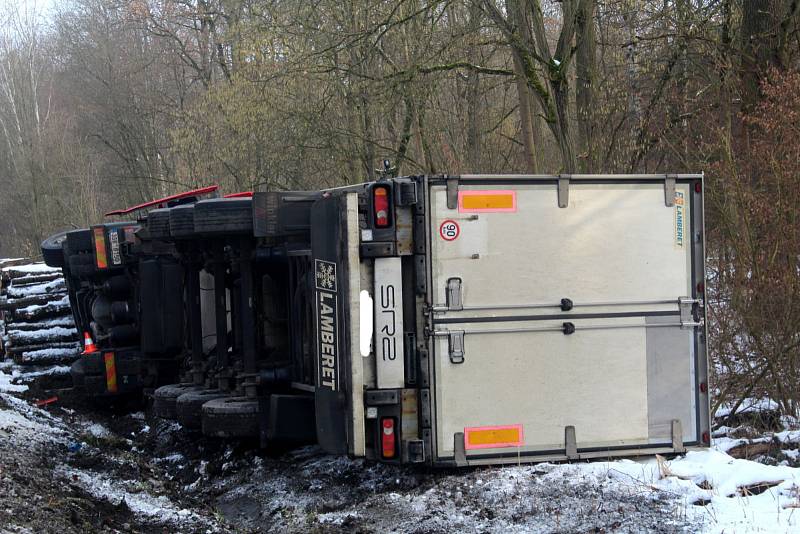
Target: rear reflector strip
{"points": [[111, 372], [487, 201], [492, 437], [100, 248]]}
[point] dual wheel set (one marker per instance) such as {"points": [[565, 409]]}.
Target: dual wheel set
{"points": [[195, 407], [214, 412]]}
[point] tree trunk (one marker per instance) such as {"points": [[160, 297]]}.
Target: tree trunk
{"points": [[47, 356], [27, 279], [39, 346], [66, 322], [516, 11], [474, 111], [15, 304], [759, 34], [584, 91], [51, 309], [632, 75], [21, 338]]}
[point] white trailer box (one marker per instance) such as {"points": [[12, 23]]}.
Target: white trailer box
{"points": [[517, 317]]}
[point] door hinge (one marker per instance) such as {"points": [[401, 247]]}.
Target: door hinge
{"points": [[455, 344], [669, 190], [452, 193], [563, 190], [405, 193], [453, 294], [689, 308], [677, 436]]}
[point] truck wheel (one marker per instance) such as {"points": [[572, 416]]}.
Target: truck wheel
{"points": [[181, 221], [164, 399], [189, 406], [231, 417], [52, 249], [223, 216], [79, 241], [158, 223]]}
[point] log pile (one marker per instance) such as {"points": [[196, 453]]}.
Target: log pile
{"points": [[36, 326]]}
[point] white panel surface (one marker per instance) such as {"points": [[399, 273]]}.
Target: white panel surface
{"points": [[594, 380], [613, 242], [388, 303]]}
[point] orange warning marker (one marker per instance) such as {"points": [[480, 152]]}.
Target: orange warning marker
{"points": [[111, 372], [88, 344]]}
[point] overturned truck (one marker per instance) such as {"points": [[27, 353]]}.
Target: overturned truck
{"points": [[448, 320]]}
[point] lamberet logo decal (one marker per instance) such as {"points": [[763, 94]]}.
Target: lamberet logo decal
{"points": [[680, 209], [327, 329], [326, 275]]}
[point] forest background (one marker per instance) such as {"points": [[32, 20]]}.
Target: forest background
{"points": [[107, 103]]}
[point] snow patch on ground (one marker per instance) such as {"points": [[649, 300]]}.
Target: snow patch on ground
{"points": [[788, 436], [7, 385], [23, 424], [97, 430], [744, 496], [160, 509], [747, 406]]}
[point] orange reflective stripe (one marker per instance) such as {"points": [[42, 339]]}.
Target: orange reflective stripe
{"points": [[111, 372], [487, 201], [100, 248], [487, 437]]}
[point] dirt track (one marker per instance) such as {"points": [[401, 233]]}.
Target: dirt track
{"points": [[71, 468]]}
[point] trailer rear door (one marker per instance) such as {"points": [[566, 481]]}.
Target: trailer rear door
{"points": [[566, 320]]}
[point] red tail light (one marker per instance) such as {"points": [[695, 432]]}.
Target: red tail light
{"points": [[388, 438], [380, 203]]}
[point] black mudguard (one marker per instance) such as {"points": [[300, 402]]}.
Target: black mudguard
{"points": [[331, 347]]}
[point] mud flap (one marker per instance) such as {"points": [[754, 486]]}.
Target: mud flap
{"points": [[90, 373], [327, 218]]}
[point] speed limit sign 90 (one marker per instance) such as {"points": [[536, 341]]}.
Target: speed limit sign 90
{"points": [[449, 230]]}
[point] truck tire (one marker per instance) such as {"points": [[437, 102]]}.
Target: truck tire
{"points": [[181, 221], [231, 417], [164, 399], [79, 241], [189, 406], [223, 216], [158, 223], [53, 251]]}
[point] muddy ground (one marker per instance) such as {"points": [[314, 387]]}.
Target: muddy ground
{"points": [[73, 467]]}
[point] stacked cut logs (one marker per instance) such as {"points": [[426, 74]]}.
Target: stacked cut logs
{"points": [[36, 326]]}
